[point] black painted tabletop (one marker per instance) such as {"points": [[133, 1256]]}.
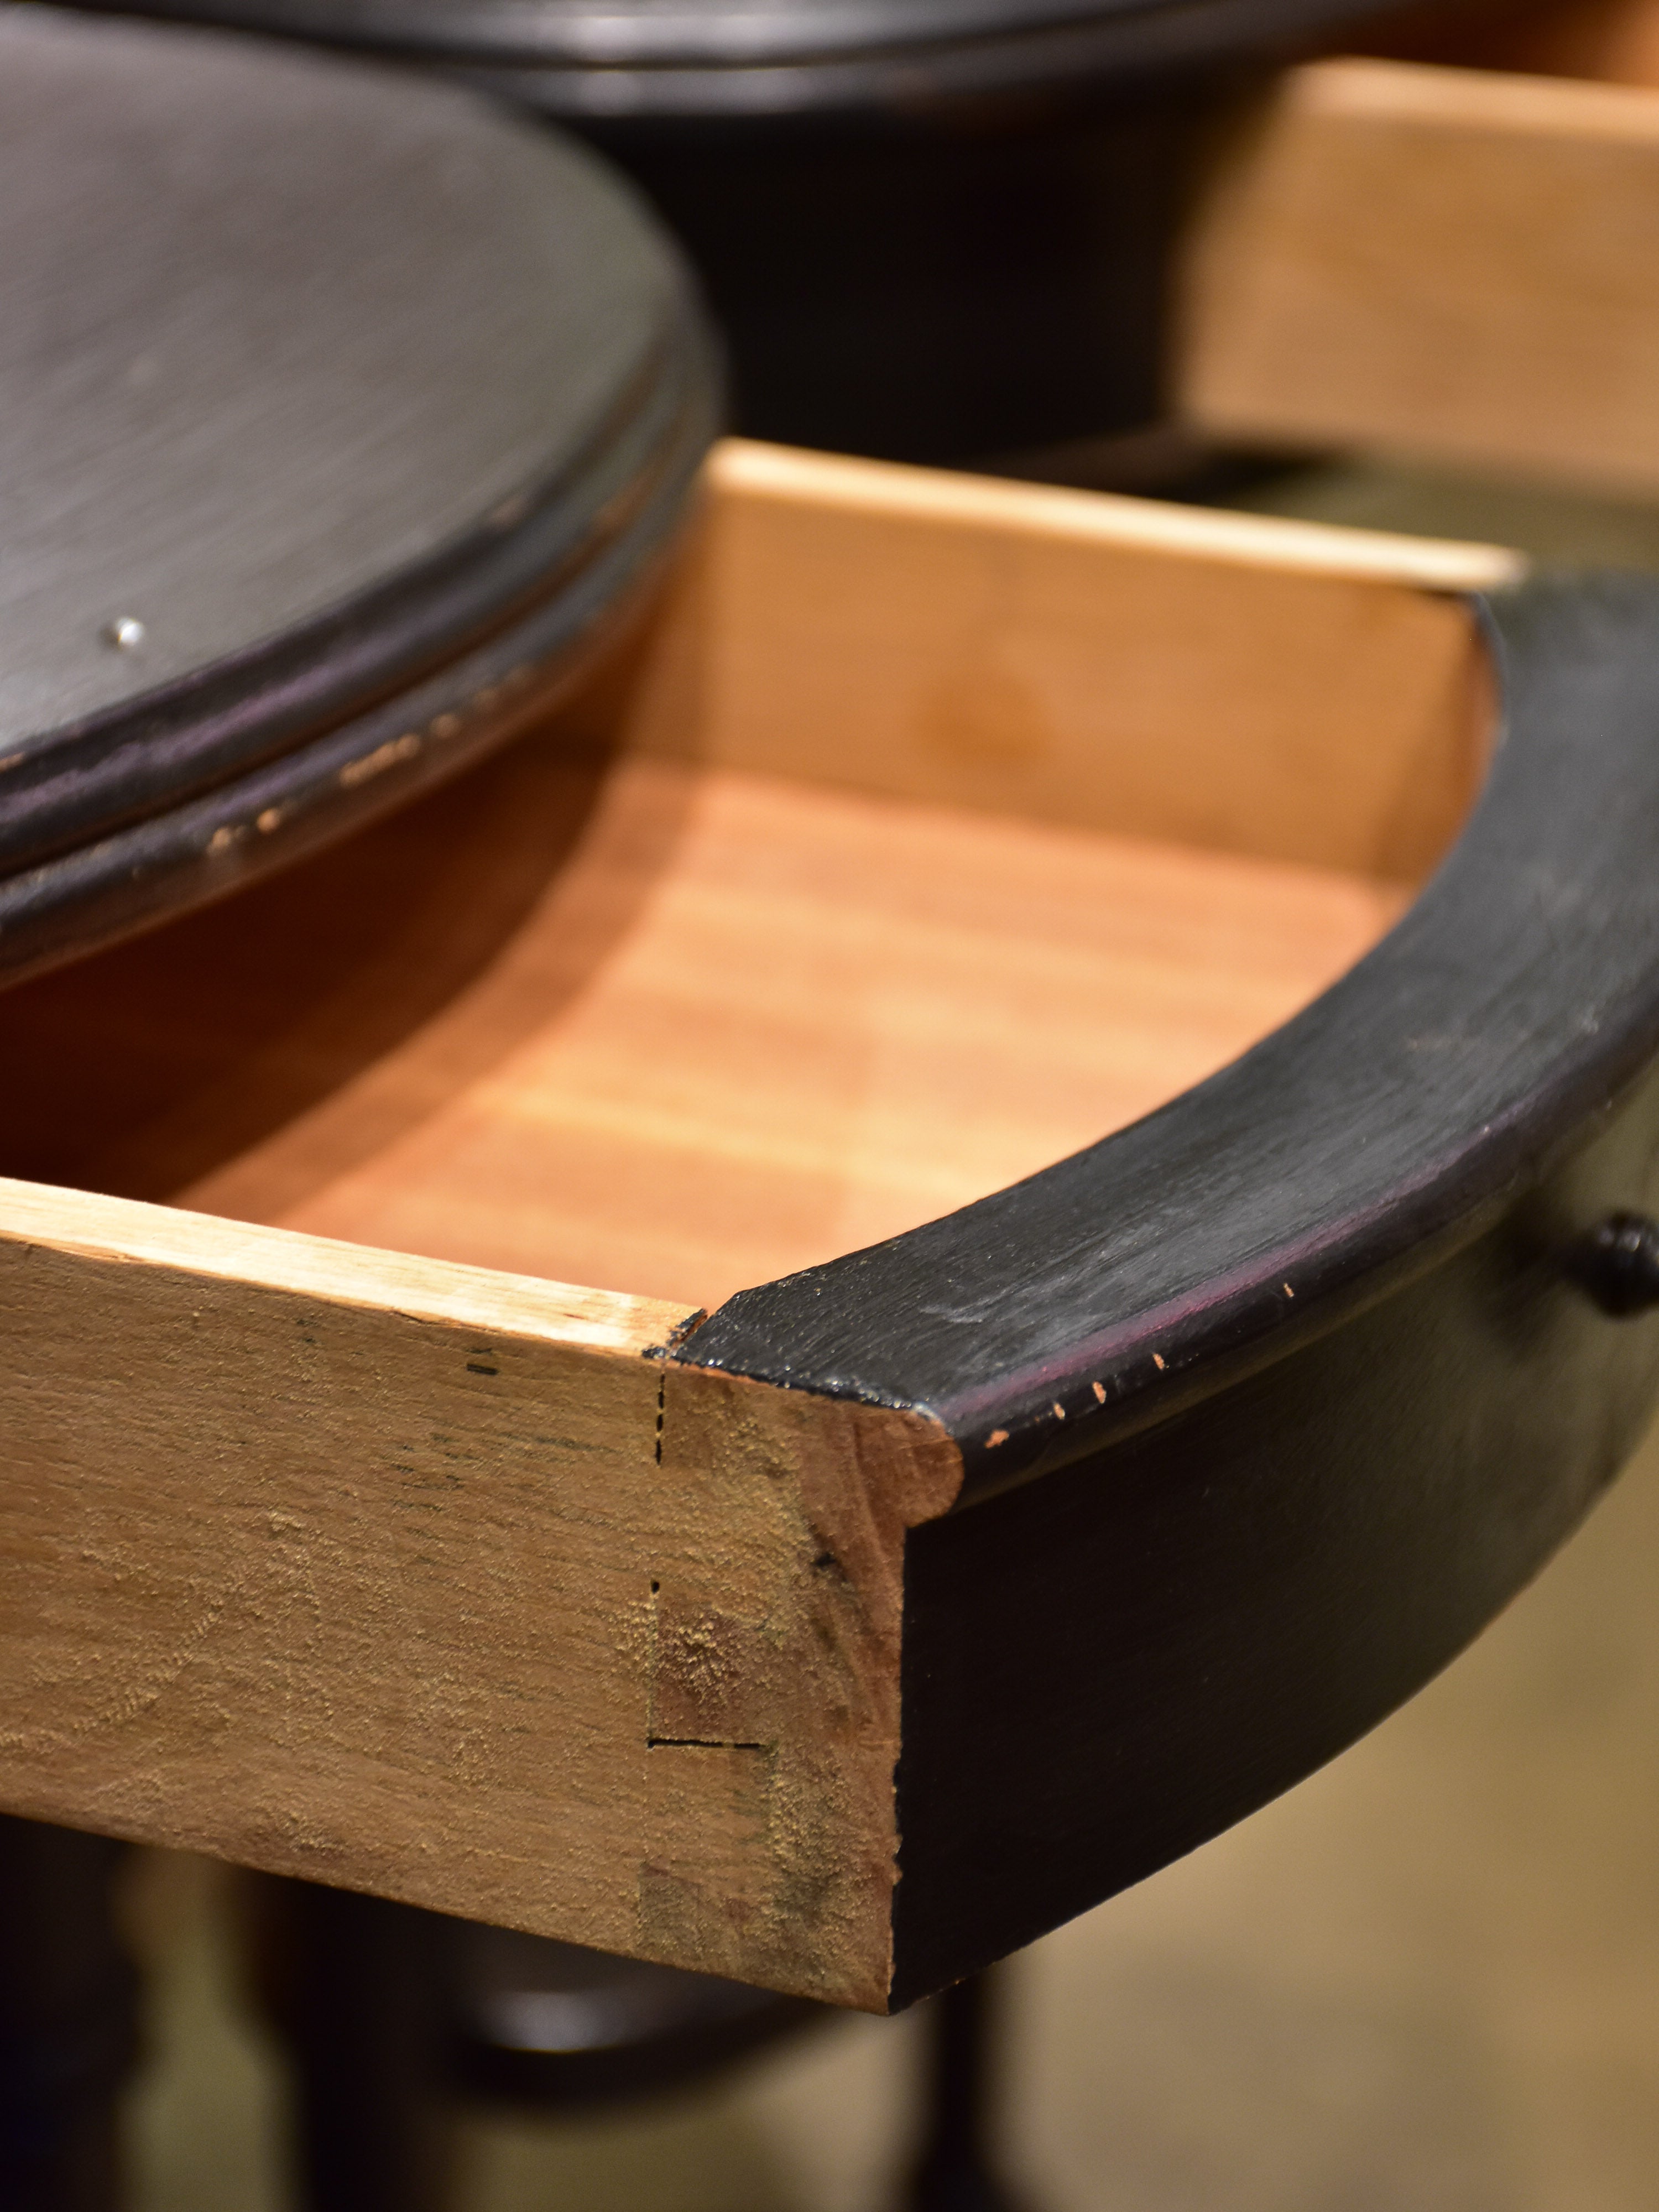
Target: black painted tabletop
{"points": [[684, 32], [280, 331], [342, 418], [616, 58]]}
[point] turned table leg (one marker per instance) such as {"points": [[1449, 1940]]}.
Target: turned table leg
{"points": [[359, 2011], [957, 2169]]}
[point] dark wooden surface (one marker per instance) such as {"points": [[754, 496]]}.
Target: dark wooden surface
{"points": [[1272, 1400], [769, 56], [933, 292], [1393, 1120], [1110, 1665], [319, 382]]}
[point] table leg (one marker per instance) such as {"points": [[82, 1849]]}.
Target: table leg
{"points": [[68, 2019], [957, 2169], [359, 2009]]}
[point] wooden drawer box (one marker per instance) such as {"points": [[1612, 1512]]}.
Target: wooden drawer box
{"points": [[1452, 258], [937, 828]]}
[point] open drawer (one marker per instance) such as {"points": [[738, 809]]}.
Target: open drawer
{"points": [[1451, 258], [918, 1600]]}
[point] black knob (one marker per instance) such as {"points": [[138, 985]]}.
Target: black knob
{"points": [[1618, 1264]]}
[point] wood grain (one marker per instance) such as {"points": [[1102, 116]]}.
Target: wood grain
{"points": [[1302, 693], [745, 1026], [426, 1581], [1447, 263]]}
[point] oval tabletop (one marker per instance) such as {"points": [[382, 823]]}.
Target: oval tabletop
{"points": [[646, 57], [315, 381]]}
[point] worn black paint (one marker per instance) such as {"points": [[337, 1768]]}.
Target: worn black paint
{"points": [[1394, 1118], [1106, 1666], [214, 843], [1385, 1391], [661, 58], [349, 396]]}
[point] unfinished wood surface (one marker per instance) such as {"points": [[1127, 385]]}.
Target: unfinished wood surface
{"points": [[741, 1027], [1112, 664], [1446, 263], [427, 1580]]}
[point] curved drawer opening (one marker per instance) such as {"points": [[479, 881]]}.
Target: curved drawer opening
{"points": [[935, 830]]}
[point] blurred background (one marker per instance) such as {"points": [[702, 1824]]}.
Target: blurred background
{"points": [[1428, 1978]]}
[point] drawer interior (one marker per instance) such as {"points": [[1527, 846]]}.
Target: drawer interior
{"points": [[931, 829]]}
